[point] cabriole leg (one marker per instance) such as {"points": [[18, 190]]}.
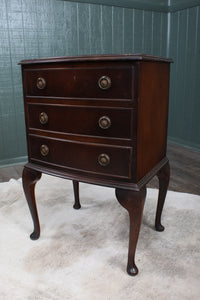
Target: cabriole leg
{"points": [[163, 177], [133, 202], [76, 195], [29, 178]]}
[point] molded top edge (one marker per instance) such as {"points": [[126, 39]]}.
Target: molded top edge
{"points": [[86, 58]]}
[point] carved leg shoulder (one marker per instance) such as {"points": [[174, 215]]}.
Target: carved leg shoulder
{"points": [[29, 179]]}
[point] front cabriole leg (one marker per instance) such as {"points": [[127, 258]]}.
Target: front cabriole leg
{"points": [[29, 179], [133, 201], [163, 177]]}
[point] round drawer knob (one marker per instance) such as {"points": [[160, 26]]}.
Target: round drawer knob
{"points": [[104, 122], [104, 159], [104, 82], [44, 150], [43, 118], [41, 83]]}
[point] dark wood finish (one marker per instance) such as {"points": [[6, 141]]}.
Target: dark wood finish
{"points": [[81, 120], [163, 177], [64, 100], [77, 204], [133, 202], [93, 179], [81, 138], [29, 179], [74, 81], [152, 115], [86, 158], [96, 58]]}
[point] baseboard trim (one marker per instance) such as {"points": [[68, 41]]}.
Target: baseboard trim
{"points": [[183, 143], [22, 160]]}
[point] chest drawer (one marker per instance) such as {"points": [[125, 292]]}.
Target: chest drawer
{"points": [[114, 161], [103, 82], [95, 121]]}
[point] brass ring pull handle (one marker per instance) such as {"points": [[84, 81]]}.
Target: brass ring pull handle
{"points": [[44, 150], [104, 122], [104, 159], [43, 118], [41, 83], [104, 82]]}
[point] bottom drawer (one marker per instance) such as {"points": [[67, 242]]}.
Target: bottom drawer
{"points": [[114, 161]]}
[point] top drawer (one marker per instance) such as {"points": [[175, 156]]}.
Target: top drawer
{"points": [[84, 82]]}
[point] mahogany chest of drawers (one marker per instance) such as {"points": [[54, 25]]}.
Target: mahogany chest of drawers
{"points": [[101, 120]]}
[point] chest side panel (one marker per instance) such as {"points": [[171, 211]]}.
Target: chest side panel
{"points": [[152, 115]]}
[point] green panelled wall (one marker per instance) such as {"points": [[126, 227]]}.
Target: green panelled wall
{"points": [[32, 29], [184, 48]]}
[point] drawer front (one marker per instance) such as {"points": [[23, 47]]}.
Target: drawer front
{"points": [[102, 82], [91, 158], [95, 121]]}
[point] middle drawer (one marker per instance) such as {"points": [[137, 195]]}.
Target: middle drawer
{"points": [[93, 121]]}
